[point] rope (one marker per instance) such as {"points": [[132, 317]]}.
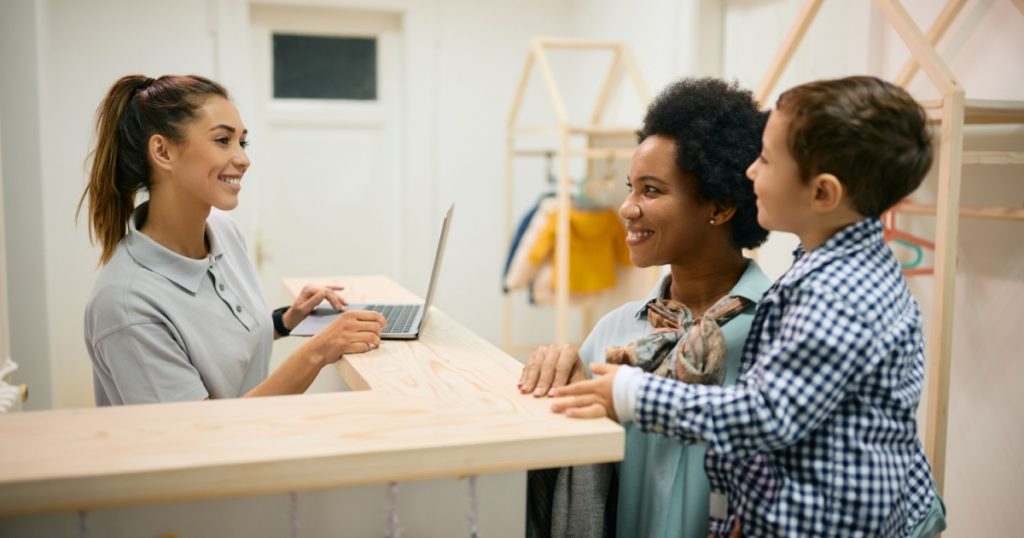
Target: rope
{"points": [[394, 527], [293, 514], [83, 528], [474, 512]]}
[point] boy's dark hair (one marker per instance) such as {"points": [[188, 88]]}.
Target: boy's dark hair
{"points": [[869, 133], [717, 129]]}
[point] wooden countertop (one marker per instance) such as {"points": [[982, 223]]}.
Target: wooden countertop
{"points": [[444, 405]]}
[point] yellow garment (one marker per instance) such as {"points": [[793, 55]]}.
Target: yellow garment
{"points": [[597, 244]]}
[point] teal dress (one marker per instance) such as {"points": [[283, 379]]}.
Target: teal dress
{"points": [[663, 489]]}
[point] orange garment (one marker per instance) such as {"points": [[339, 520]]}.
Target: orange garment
{"points": [[597, 245]]}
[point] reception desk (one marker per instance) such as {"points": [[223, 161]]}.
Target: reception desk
{"points": [[445, 405]]}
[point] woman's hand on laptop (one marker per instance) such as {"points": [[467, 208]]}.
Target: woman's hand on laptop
{"points": [[354, 331], [308, 299]]}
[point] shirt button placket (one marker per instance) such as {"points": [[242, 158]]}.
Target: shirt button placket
{"points": [[229, 298]]}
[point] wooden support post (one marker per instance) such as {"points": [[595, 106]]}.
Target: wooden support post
{"points": [[562, 243], [940, 330]]}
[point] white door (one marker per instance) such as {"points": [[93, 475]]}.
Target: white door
{"points": [[325, 170]]}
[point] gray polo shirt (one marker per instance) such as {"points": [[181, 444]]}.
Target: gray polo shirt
{"points": [[161, 327]]}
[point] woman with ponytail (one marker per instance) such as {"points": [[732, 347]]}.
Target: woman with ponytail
{"points": [[177, 312]]}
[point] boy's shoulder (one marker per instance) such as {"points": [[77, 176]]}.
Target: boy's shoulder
{"points": [[854, 252], [854, 268]]}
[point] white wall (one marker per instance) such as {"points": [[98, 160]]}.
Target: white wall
{"points": [[21, 43]]}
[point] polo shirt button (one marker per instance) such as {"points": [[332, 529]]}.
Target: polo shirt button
{"points": [[238, 308], [221, 287]]}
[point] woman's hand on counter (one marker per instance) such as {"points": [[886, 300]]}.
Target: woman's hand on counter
{"points": [[550, 367]]}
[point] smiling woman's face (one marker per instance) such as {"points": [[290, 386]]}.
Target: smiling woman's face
{"points": [[666, 220], [211, 161]]}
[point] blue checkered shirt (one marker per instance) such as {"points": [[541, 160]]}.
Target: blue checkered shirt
{"points": [[818, 436]]}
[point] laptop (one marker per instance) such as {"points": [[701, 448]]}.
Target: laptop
{"points": [[405, 321]]}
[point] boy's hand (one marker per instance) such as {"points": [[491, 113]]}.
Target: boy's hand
{"points": [[589, 399]]}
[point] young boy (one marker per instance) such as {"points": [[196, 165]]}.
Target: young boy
{"points": [[818, 437]]}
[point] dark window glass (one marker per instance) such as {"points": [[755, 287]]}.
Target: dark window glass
{"points": [[318, 67]]}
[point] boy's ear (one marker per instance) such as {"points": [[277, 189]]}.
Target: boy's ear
{"points": [[827, 192], [160, 151], [722, 213]]}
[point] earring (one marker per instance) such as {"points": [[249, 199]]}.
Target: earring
{"points": [[712, 221]]}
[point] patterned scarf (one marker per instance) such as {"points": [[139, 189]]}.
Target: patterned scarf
{"points": [[682, 348]]}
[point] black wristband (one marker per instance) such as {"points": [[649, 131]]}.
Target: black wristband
{"points": [[278, 316]]}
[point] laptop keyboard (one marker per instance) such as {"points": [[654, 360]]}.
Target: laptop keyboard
{"points": [[399, 316]]}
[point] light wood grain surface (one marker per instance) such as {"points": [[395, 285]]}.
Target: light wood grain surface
{"points": [[445, 405]]}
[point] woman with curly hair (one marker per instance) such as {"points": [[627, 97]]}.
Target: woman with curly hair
{"points": [[691, 207]]}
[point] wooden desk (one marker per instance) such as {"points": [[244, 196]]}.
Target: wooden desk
{"points": [[445, 405]]}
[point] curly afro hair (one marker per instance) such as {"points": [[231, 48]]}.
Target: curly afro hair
{"points": [[717, 129]]}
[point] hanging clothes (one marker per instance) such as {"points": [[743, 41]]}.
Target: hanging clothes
{"points": [[517, 238], [542, 290], [519, 272], [597, 246]]}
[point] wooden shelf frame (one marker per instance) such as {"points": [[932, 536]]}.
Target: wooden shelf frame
{"points": [[623, 67], [952, 111]]}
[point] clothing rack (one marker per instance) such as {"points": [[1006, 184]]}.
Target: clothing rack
{"points": [[950, 113], [594, 134]]}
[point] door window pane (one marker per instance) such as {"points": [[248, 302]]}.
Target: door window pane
{"points": [[319, 67]]}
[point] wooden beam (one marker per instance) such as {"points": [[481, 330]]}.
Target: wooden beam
{"points": [[980, 111], [993, 157], [786, 50], [984, 212], [569, 43], [938, 29], [550, 83], [634, 74], [611, 83], [940, 330], [517, 102], [936, 69]]}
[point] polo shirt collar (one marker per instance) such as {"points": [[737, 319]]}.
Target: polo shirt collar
{"points": [[186, 272], [749, 286], [857, 236]]}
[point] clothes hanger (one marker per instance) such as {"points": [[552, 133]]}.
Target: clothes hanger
{"points": [[916, 249], [892, 234], [598, 193]]}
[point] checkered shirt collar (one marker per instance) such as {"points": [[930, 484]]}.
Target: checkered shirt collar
{"points": [[860, 235]]}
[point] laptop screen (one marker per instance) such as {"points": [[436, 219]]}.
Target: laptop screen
{"points": [[437, 263]]}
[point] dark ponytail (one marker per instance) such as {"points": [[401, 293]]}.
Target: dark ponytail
{"points": [[135, 109]]}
